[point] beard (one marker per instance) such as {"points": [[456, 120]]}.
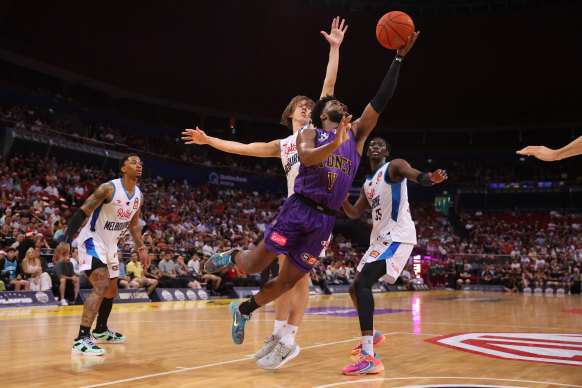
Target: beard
{"points": [[336, 116]]}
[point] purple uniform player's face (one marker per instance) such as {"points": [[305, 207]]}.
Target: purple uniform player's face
{"points": [[336, 110]]}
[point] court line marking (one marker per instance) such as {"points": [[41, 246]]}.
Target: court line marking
{"points": [[443, 377], [184, 369]]}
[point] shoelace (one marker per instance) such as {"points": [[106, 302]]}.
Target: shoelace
{"points": [[88, 342], [359, 359]]}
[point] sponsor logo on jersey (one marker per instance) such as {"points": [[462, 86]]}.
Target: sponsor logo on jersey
{"points": [[323, 136], [395, 267], [276, 237], [375, 254], [325, 244], [288, 148], [291, 161], [124, 214], [115, 226], [550, 348], [370, 194], [309, 259], [115, 267], [135, 204]]}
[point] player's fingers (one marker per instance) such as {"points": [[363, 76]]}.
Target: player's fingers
{"points": [[345, 29], [341, 26], [325, 34]]}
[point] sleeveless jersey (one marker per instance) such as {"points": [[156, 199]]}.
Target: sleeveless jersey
{"points": [[390, 208], [10, 267], [290, 160], [329, 182], [108, 223]]}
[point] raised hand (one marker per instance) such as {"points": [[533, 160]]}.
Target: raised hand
{"points": [[540, 152], [194, 136], [438, 176], [343, 131], [336, 34], [409, 43], [60, 250]]}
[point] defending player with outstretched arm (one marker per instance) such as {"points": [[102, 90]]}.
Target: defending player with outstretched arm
{"points": [[291, 306], [549, 155], [391, 242]]}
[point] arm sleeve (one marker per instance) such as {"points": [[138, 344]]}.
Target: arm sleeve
{"points": [[75, 225], [386, 90]]}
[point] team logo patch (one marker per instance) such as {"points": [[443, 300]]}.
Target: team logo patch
{"points": [[549, 348], [41, 297], [115, 267], [179, 295], [379, 177], [309, 259], [323, 137], [276, 237], [370, 194], [135, 204], [375, 254], [325, 244]]}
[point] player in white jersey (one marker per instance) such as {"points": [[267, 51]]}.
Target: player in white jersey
{"points": [[291, 306], [113, 209], [391, 242]]}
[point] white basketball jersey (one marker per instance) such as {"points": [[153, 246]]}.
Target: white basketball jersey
{"points": [[390, 209], [290, 160], [108, 223]]}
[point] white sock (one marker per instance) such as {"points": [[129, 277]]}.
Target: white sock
{"points": [[278, 326], [368, 344], [289, 332]]}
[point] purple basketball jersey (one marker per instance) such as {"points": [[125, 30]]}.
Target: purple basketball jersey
{"points": [[329, 182]]}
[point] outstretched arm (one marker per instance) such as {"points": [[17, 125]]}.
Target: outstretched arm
{"points": [[309, 155], [335, 39], [355, 211], [259, 149], [364, 125], [399, 168], [102, 194], [550, 155]]}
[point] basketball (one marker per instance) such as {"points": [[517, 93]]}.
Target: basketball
{"points": [[393, 29]]}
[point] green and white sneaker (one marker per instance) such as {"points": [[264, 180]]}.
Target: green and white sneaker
{"points": [[270, 343], [86, 347], [108, 337]]}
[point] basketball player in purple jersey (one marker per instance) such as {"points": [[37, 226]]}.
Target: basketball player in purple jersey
{"points": [[329, 155], [291, 306]]}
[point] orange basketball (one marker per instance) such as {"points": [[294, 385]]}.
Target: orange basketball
{"points": [[393, 29]]}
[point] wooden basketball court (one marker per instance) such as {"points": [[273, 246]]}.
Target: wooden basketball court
{"points": [[187, 344]]}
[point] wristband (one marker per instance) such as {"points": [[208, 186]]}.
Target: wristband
{"points": [[398, 58]]}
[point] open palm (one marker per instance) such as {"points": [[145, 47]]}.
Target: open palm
{"points": [[336, 35]]}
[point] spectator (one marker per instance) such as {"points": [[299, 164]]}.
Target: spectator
{"points": [[68, 283], [24, 244], [122, 280], [137, 275], [10, 270], [32, 269]]}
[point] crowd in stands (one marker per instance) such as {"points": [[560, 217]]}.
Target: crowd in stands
{"points": [[165, 143]]}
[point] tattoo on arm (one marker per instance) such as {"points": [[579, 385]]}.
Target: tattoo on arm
{"points": [[102, 194]]}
